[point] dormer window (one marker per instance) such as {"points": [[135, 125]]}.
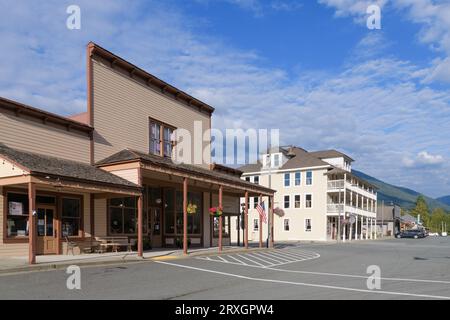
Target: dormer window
{"points": [[276, 160]]}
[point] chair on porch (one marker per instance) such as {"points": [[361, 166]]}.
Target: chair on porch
{"points": [[70, 245]]}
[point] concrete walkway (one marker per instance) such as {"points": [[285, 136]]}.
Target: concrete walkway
{"points": [[49, 262]]}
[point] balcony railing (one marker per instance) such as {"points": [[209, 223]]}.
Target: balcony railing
{"points": [[335, 184], [339, 184], [335, 207]]}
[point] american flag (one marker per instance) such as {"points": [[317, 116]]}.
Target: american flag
{"points": [[262, 212]]}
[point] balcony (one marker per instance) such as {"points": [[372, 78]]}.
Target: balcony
{"points": [[336, 185], [335, 209]]}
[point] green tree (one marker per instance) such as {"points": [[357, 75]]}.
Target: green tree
{"points": [[437, 217], [422, 209]]}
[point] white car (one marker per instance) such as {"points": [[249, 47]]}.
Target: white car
{"points": [[444, 234], [433, 234]]}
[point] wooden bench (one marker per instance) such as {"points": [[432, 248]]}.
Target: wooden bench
{"points": [[115, 243]]}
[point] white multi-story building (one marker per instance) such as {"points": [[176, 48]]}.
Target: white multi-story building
{"points": [[315, 190]]}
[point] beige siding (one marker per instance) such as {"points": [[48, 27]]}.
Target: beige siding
{"points": [[2, 214], [7, 169], [206, 221], [128, 174], [87, 215], [11, 249], [122, 107], [26, 134], [100, 217]]}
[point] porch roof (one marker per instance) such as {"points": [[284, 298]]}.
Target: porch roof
{"points": [[128, 155], [43, 165], [336, 170]]}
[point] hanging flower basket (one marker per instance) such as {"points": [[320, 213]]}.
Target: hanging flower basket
{"points": [[216, 211], [191, 208], [278, 211]]}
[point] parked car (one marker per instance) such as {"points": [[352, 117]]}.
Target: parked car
{"points": [[411, 234]]}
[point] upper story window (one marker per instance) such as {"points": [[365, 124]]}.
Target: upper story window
{"points": [[287, 202], [287, 179], [297, 201], [160, 139], [276, 160], [298, 178], [308, 202], [247, 179], [255, 202], [256, 179], [309, 178]]}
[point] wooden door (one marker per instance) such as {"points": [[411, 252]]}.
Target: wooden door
{"points": [[155, 220], [46, 235]]}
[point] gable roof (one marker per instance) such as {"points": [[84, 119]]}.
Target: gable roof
{"points": [[129, 155], [325, 154], [43, 116], [52, 166], [297, 158]]}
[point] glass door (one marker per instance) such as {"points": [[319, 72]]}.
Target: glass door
{"points": [[46, 234], [155, 226]]}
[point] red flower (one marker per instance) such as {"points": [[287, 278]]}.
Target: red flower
{"points": [[213, 210]]}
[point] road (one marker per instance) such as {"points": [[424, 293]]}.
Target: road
{"points": [[410, 269]]}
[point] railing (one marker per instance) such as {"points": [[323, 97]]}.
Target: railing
{"points": [[339, 184], [335, 184], [335, 208]]}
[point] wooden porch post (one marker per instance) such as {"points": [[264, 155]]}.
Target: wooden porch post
{"points": [[140, 227], [32, 223], [185, 219], [271, 221], [260, 225], [246, 221], [220, 219]]}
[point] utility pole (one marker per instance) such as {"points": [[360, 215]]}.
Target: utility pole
{"points": [[339, 216], [382, 218]]}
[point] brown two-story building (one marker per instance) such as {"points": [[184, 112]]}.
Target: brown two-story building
{"points": [[109, 172]]}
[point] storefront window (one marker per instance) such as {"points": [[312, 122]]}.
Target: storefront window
{"points": [[17, 218], [173, 212], [123, 215], [225, 227], [70, 217]]}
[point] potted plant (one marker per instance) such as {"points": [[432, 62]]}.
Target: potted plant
{"points": [[216, 211], [179, 242], [191, 208]]}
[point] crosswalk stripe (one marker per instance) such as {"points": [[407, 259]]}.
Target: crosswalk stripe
{"points": [[241, 256], [241, 262], [268, 257]]}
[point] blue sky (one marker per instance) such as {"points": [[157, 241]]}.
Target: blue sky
{"points": [[310, 68]]}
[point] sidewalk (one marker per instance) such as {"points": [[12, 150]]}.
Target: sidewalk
{"points": [[51, 262]]}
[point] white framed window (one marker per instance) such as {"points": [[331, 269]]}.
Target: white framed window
{"points": [[287, 179], [308, 201], [287, 202], [297, 201], [255, 225], [276, 160], [308, 225], [255, 202], [247, 179], [309, 178], [256, 179], [286, 224], [298, 178]]}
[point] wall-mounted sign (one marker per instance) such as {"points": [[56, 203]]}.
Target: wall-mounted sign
{"points": [[15, 208]]}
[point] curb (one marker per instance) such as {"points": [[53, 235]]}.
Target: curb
{"points": [[121, 261]]}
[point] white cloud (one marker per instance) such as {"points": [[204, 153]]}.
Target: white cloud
{"points": [[423, 159], [432, 16], [376, 110]]}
